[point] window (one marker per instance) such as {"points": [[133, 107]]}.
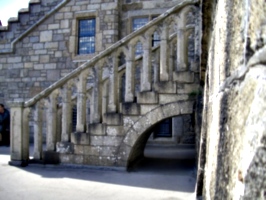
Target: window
{"points": [[155, 37], [138, 23], [163, 129], [86, 36]]}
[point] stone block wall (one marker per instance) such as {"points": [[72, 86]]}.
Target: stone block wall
{"points": [[47, 52], [232, 156]]}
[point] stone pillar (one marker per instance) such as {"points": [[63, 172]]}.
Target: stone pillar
{"points": [[113, 85], [81, 103], [51, 124], [164, 56], [37, 116], [146, 68], [96, 101], [66, 113], [26, 134], [130, 74], [181, 49], [19, 152]]}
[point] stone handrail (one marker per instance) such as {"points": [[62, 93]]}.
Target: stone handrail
{"points": [[104, 53], [12, 44]]}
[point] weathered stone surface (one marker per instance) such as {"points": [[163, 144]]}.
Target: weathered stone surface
{"points": [[147, 98], [97, 129], [234, 105], [130, 109], [115, 130], [64, 147], [167, 87], [113, 118], [168, 98], [184, 77], [80, 138]]}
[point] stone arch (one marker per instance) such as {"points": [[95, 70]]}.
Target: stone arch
{"points": [[136, 136]]}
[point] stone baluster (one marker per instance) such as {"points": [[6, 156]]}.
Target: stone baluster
{"points": [[146, 68], [104, 99], [130, 74], [18, 133], [26, 134], [181, 44], [113, 85], [81, 102], [38, 121], [164, 56], [171, 60], [51, 122], [66, 113], [96, 100]]}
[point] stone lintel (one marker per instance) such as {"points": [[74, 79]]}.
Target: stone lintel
{"points": [[147, 97]]}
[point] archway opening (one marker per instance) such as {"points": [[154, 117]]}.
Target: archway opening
{"points": [[166, 147]]}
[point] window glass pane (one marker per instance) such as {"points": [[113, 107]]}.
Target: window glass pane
{"points": [[86, 36], [155, 39], [139, 49], [139, 22]]}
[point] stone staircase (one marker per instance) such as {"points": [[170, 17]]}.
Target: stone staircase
{"points": [[117, 103], [27, 19]]}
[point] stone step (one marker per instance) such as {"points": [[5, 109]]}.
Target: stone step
{"points": [[184, 77], [165, 87], [168, 98], [113, 118], [130, 108], [80, 138], [97, 129], [147, 97]]}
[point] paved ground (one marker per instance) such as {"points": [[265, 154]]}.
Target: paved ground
{"points": [[152, 179]]}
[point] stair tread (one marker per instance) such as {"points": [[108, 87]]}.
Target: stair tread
{"points": [[23, 10]]}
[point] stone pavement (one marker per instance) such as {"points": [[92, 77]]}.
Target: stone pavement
{"points": [[152, 179]]}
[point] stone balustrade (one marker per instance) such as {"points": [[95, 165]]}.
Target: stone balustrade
{"points": [[53, 106]]}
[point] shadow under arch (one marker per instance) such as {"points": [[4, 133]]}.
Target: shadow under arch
{"points": [[137, 136]]}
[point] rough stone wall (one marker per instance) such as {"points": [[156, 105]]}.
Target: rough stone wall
{"points": [[48, 51], [233, 132]]}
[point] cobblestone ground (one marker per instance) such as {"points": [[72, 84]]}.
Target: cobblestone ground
{"points": [[151, 180]]}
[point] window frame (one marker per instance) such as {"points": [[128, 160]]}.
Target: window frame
{"points": [[154, 41], [87, 34], [73, 40]]}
